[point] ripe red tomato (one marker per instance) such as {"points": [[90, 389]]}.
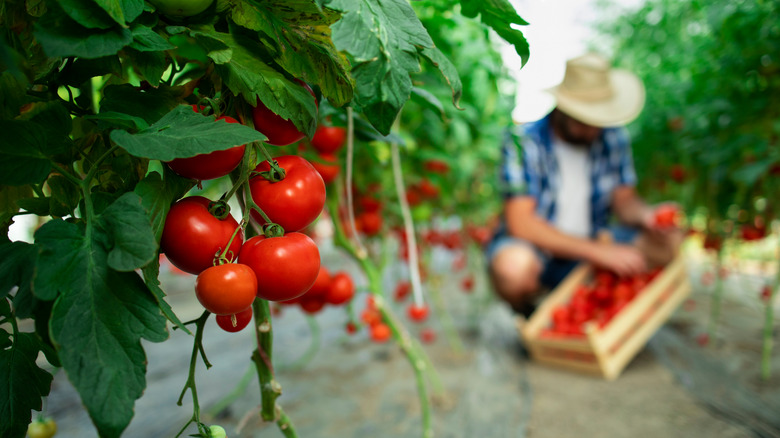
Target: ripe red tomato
{"points": [[286, 267], [370, 223], [380, 332], [328, 139], [437, 166], [321, 284], [192, 236], [666, 216], [242, 319], [351, 328], [428, 189], [329, 169], [467, 284], [293, 202], [678, 173], [368, 203], [226, 289], [211, 165], [371, 316], [427, 335], [402, 289], [417, 313], [341, 289], [311, 305], [280, 132]]}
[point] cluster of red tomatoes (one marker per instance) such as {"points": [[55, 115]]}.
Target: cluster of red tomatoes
{"points": [[202, 238], [600, 302], [334, 289], [378, 330]]}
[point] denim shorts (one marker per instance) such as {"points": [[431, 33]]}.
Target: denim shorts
{"points": [[554, 269]]}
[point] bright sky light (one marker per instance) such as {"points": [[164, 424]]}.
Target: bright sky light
{"points": [[558, 30]]}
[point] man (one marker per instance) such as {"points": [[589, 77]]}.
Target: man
{"points": [[570, 173]]}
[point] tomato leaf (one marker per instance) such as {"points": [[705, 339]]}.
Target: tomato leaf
{"points": [[10, 198], [147, 40], [150, 105], [23, 384], [22, 160], [98, 320], [251, 77], [383, 39], [61, 36], [183, 133], [17, 260], [151, 273], [12, 90], [119, 120], [157, 195], [300, 33], [428, 100], [122, 11], [447, 69], [133, 244], [500, 15]]}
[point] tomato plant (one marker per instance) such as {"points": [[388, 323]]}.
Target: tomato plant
{"points": [[293, 202], [226, 289], [193, 236], [236, 322], [286, 267]]}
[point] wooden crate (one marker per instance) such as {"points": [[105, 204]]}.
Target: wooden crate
{"points": [[606, 351]]}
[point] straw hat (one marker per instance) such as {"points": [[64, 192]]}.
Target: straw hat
{"points": [[594, 93]]}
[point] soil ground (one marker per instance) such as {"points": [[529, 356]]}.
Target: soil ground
{"points": [[351, 387]]}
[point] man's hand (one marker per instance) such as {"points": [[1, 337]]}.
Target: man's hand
{"points": [[624, 260]]}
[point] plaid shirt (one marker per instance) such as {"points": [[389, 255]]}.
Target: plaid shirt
{"points": [[529, 168]]}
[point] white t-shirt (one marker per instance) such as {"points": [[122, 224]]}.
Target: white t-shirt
{"points": [[572, 209]]}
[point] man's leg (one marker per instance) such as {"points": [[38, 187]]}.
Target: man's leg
{"points": [[515, 269]]}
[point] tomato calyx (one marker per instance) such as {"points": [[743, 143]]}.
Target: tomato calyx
{"points": [[273, 230], [219, 209], [276, 173]]}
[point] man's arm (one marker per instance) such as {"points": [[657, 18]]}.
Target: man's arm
{"points": [[630, 209], [524, 223]]}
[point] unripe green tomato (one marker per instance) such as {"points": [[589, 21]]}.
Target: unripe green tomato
{"points": [[422, 213], [217, 431], [45, 428], [181, 8]]}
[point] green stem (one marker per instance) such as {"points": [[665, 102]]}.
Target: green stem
{"points": [[197, 347], [413, 352]]}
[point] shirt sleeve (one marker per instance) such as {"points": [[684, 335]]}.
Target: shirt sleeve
{"points": [[518, 176], [626, 171]]}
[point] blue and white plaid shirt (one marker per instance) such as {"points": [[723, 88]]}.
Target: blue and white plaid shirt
{"points": [[530, 168]]}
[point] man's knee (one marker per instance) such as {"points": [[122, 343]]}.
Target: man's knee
{"points": [[515, 271]]}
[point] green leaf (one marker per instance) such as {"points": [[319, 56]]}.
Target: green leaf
{"points": [[300, 34], [249, 76], [65, 195], [147, 40], [10, 196], [428, 100], [118, 120], [133, 244], [37, 206], [98, 321], [750, 173], [17, 260], [24, 385], [60, 37], [12, 92], [150, 105], [383, 39], [151, 273], [183, 133], [499, 15], [122, 11], [448, 70], [86, 14], [158, 195], [150, 65], [22, 160], [81, 70]]}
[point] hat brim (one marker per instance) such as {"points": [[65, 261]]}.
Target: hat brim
{"points": [[621, 108]]}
